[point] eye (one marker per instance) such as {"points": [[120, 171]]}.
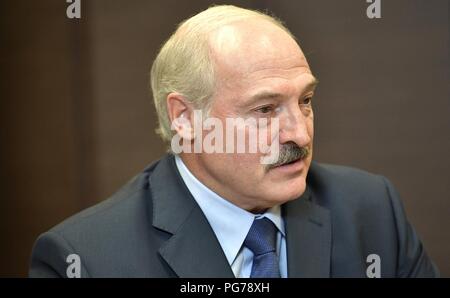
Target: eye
{"points": [[264, 109], [306, 101]]}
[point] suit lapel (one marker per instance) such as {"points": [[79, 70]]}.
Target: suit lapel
{"points": [[308, 237], [193, 249]]}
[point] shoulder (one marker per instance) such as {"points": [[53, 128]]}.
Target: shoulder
{"points": [[338, 176], [343, 179], [100, 233], [351, 190], [126, 202]]}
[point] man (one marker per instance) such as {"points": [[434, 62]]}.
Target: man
{"points": [[212, 213]]}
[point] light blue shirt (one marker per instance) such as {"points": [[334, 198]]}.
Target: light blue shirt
{"points": [[231, 224]]}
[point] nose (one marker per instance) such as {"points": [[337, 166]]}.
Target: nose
{"points": [[295, 126]]}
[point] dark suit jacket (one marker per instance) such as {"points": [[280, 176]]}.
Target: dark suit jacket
{"points": [[153, 227]]}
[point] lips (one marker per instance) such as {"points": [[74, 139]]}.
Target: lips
{"points": [[291, 160], [290, 155], [294, 160], [294, 167]]}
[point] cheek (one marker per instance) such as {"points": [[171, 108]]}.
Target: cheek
{"points": [[246, 168], [244, 162], [240, 172]]}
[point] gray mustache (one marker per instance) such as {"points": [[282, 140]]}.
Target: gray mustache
{"points": [[289, 153]]}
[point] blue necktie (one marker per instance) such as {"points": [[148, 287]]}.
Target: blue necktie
{"points": [[261, 240]]}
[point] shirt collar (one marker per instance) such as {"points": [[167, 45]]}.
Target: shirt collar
{"points": [[229, 222]]}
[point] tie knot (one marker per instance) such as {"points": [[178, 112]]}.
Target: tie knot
{"points": [[262, 237]]}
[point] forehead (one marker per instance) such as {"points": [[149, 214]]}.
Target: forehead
{"points": [[253, 50]]}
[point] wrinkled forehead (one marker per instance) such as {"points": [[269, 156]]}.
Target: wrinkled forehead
{"points": [[250, 45]]}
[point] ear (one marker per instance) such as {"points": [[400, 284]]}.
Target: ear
{"points": [[180, 113]]}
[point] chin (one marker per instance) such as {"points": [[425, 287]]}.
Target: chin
{"points": [[297, 191], [284, 192]]}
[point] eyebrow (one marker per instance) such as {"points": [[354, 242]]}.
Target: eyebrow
{"points": [[274, 95]]}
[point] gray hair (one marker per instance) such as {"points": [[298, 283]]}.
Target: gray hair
{"points": [[184, 64]]}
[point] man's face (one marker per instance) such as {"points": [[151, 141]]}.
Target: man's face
{"points": [[261, 73]]}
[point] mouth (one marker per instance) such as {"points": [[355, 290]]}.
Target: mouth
{"points": [[290, 162], [291, 157], [290, 167]]}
